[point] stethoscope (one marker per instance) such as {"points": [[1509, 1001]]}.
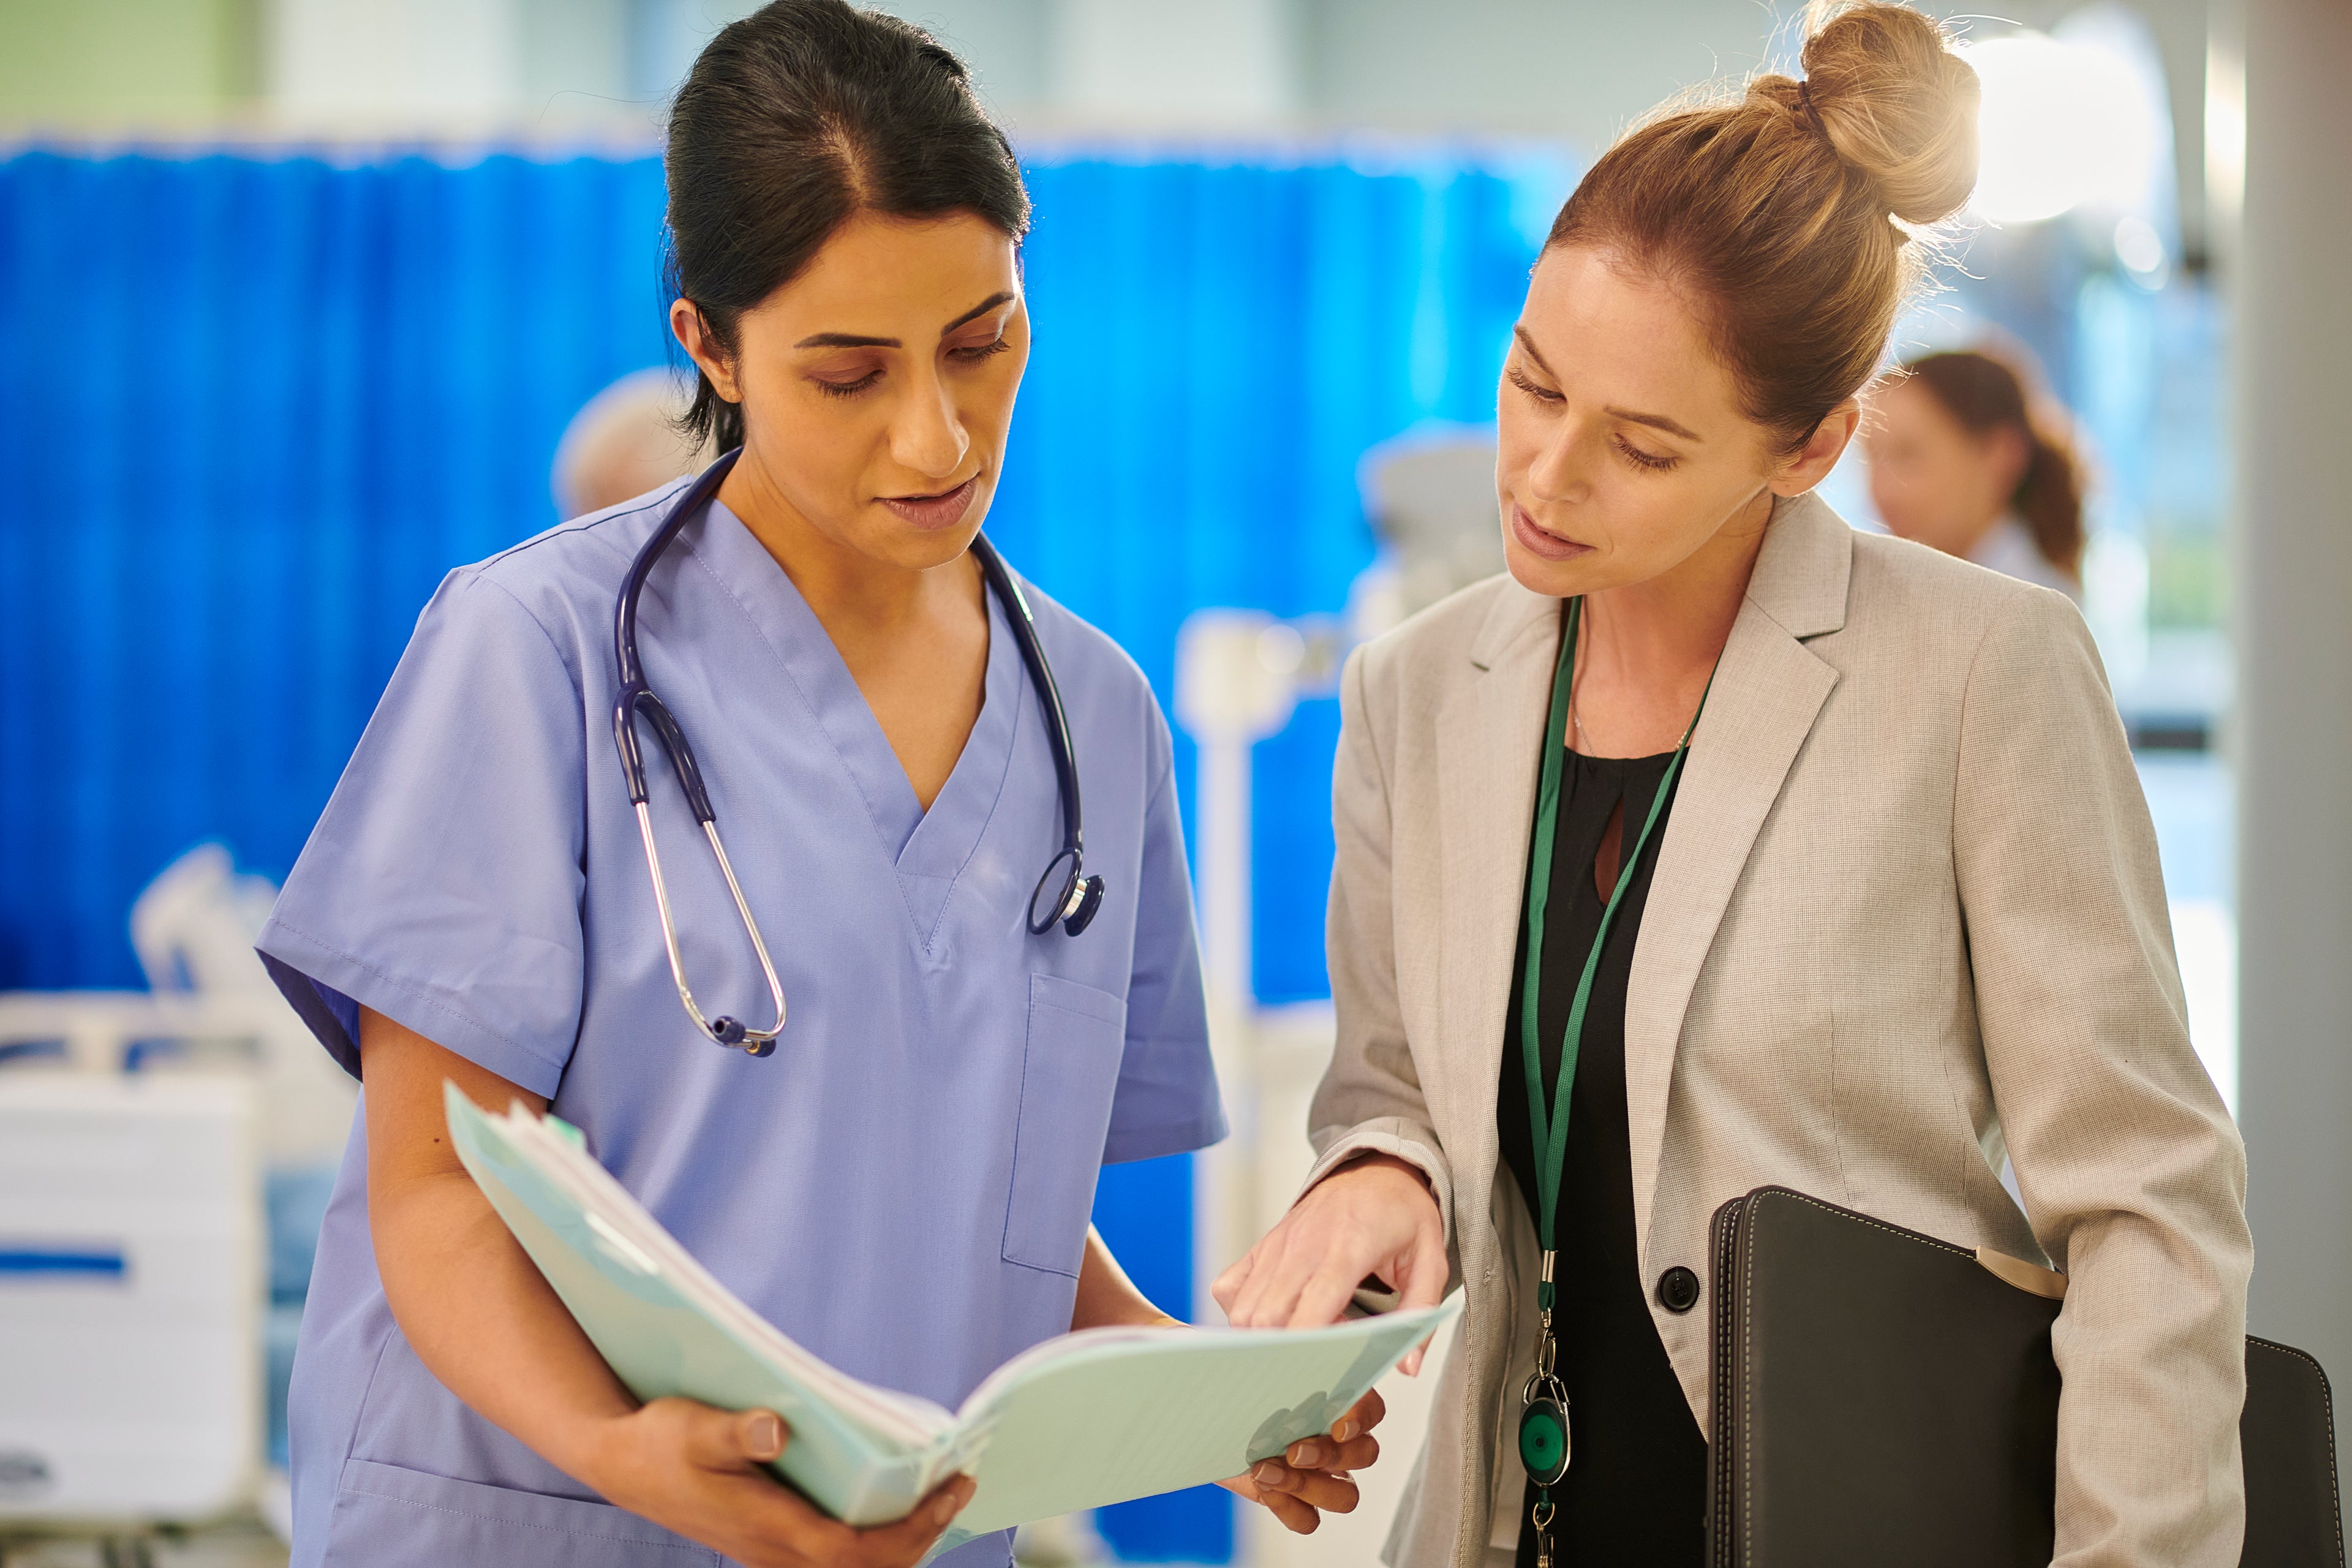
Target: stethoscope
{"points": [[1076, 896]]}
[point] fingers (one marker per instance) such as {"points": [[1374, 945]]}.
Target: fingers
{"points": [[1325, 1454], [1321, 1490], [1269, 1282], [1325, 1492], [906, 1540], [1298, 1518], [778, 1517], [1410, 1365], [1296, 1514], [1326, 1296], [1367, 1414]]}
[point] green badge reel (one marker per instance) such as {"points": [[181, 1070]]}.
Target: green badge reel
{"points": [[1543, 1408], [1543, 1430]]}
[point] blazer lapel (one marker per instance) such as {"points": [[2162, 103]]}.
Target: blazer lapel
{"points": [[1490, 739], [1768, 691]]}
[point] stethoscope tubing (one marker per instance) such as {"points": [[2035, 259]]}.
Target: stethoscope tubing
{"points": [[1074, 902]]}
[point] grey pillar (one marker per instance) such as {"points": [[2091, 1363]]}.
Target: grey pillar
{"points": [[2294, 288]]}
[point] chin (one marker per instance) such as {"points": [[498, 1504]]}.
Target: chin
{"points": [[1553, 579]]}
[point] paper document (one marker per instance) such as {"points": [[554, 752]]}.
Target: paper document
{"points": [[1078, 1422]]}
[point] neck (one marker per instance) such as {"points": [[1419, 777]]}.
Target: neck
{"points": [[1675, 624], [853, 594]]}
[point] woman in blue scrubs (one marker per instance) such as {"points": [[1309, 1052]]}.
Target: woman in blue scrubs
{"points": [[904, 1185]]}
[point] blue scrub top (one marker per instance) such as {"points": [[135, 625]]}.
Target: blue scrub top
{"points": [[904, 1186]]}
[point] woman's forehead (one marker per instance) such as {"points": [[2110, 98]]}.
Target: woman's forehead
{"points": [[1622, 337], [885, 277]]}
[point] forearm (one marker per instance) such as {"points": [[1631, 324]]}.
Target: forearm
{"points": [[1107, 1298], [483, 1320], [466, 1296]]}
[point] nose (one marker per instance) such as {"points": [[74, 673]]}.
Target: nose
{"points": [[1561, 470], [926, 435]]}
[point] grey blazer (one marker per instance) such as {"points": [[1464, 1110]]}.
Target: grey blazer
{"points": [[1906, 916]]}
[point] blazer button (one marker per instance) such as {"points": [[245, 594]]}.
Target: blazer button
{"points": [[1678, 1289]]}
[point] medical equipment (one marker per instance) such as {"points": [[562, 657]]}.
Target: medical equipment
{"points": [[1076, 900], [130, 1297]]}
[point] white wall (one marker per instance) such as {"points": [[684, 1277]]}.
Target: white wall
{"points": [[429, 62]]}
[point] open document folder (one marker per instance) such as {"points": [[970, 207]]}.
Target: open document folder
{"points": [[1080, 1421]]}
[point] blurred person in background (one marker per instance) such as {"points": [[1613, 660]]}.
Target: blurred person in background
{"points": [[626, 441], [1826, 862], [1962, 461], [903, 1186]]}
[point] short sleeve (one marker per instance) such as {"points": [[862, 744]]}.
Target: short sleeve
{"points": [[1167, 1100], [442, 886]]}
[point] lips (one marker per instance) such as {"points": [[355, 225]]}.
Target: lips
{"points": [[1536, 542], [936, 511]]}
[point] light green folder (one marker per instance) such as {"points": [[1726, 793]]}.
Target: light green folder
{"points": [[1080, 1421]]}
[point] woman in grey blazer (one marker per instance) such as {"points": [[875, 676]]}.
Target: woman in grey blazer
{"points": [[1820, 857]]}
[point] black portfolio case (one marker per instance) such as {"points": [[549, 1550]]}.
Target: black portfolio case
{"points": [[1882, 1397]]}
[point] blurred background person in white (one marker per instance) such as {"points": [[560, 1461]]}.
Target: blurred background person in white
{"points": [[1962, 459], [626, 440]]}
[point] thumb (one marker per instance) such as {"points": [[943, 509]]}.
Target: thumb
{"points": [[734, 1440], [1424, 1286], [1425, 1281], [1424, 1270]]}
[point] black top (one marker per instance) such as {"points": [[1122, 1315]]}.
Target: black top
{"points": [[1636, 1484]]}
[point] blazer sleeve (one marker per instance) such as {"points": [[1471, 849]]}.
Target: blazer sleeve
{"points": [[1369, 1100], [2133, 1174]]}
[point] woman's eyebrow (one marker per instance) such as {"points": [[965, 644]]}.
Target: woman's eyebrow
{"points": [[857, 340], [844, 340], [1655, 421], [982, 309]]}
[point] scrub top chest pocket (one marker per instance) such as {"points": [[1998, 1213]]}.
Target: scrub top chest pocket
{"points": [[1068, 1070]]}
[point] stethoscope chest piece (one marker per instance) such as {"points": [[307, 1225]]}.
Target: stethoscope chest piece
{"points": [[1075, 895]]}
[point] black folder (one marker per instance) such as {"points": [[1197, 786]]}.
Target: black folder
{"points": [[1882, 1397]]}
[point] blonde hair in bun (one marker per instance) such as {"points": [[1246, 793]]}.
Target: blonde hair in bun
{"points": [[1896, 102], [1777, 212]]}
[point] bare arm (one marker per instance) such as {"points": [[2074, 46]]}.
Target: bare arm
{"points": [[1107, 1298], [483, 1321]]}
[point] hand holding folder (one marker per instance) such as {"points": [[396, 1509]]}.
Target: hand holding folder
{"points": [[1078, 1422]]}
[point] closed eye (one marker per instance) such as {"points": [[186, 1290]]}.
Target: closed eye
{"points": [[1522, 380], [847, 388], [1653, 461], [981, 352]]}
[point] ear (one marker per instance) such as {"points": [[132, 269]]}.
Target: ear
{"points": [[695, 336], [1812, 462]]}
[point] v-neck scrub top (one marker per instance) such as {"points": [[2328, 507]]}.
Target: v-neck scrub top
{"points": [[904, 1186]]}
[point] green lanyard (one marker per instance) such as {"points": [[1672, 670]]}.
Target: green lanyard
{"points": [[1549, 1126], [1543, 1414]]}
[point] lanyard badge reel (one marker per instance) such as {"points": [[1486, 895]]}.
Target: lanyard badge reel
{"points": [[1543, 1399]]}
